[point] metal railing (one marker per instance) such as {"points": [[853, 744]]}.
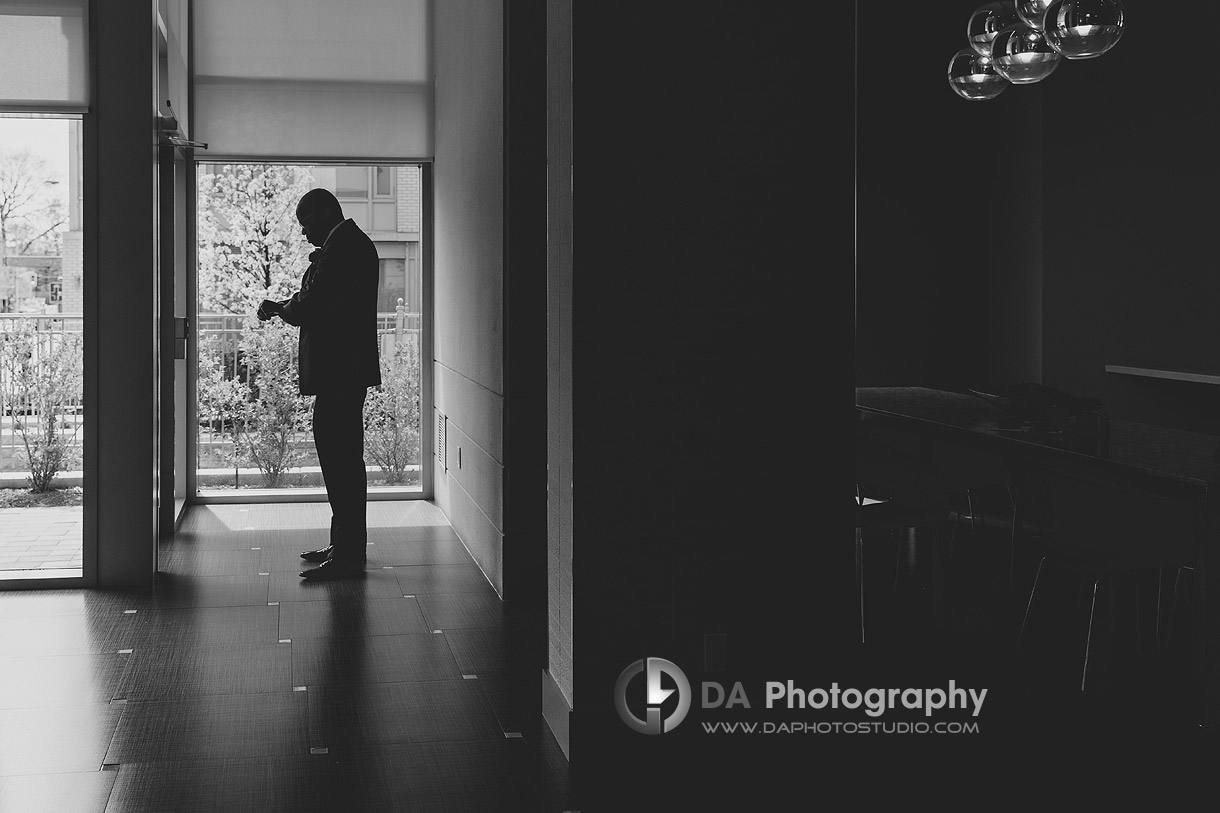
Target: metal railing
{"points": [[219, 337], [220, 333], [50, 330]]}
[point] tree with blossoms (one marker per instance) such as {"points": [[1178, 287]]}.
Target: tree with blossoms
{"points": [[250, 246]]}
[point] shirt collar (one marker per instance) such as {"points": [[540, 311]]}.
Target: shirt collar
{"points": [[332, 231]]}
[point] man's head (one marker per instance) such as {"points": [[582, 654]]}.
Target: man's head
{"points": [[318, 212]]}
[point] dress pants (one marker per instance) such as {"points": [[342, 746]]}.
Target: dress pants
{"points": [[338, 436]]}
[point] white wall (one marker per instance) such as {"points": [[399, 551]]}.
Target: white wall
{"points": [[469, 265]]}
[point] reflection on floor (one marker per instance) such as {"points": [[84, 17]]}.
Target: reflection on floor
{"points": [[234, 685]]}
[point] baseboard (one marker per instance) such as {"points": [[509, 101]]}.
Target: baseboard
{"points": [[557, 713]]}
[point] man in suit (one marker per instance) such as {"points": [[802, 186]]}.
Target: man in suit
{"points": [[336, 309]]}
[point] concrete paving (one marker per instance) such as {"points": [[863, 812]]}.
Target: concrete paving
{"points": [[42, 538]]}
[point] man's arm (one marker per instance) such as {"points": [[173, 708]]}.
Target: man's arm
{"points": [[301, 306], [313, 297], [269, 308]]}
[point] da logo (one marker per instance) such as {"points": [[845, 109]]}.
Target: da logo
{"points": [[654, 668]]}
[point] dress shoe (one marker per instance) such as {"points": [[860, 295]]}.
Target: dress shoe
{"points": [[318, 555], [334, 569], [325, 553]]}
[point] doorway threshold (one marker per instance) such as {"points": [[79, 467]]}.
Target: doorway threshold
{"points": [[287, 495]]}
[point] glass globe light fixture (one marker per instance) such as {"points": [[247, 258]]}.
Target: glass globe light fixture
{"points": [[987, 21], [1020, 55], [973, 77], [1031, 12], [1080, 29]]}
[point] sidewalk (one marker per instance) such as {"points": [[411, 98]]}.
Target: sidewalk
{"points": [[41, 538]]}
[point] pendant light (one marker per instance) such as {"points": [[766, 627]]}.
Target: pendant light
{"points": [[1031, 12], [1082, 29], [973, 77], [987, 21], [1021, 55]]}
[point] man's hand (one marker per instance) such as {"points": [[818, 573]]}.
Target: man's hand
{"points": [[268, 309]]}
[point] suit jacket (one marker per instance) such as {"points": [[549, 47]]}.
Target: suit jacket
{"points": [[336, 310]]}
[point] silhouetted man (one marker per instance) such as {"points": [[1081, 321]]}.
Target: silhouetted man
{"points": [[336, 310]]}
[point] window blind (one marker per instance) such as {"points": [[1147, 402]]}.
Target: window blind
{"points": [[44, 55], [314, 79]]}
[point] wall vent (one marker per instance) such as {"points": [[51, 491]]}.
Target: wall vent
{"points": [[441, 455]]}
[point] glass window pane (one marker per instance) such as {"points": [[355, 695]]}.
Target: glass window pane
{"points": [[385, 217], [358, 212], [352, 182], [242, 362], [325, 178], [393, 284], [384, 181], [42, 356]]}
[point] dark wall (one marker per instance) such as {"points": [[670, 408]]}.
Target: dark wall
{"points": [[948, 211], [1046, 233], [711, 303], [1129, 227], [120, 292]]}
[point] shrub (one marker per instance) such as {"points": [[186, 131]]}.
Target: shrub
{"points": [[272, 413], [41, 383], [392, 414]]}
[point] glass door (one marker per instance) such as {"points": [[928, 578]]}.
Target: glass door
{"points": [[41, 347], [173, 439]]}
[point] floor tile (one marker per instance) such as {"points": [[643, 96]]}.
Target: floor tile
{"points": [[373, 584], [495, 650], [96, 630], [188, 626], [209, 591], [250, 725], [25, 603], [461, 578], [458, 610], [378, 714], [346, 616], [288, 784], [340, 661], [490, 776], [85, 792], [59, 739], [419, 552], [161, 672], [60, 680], [182, 561]]}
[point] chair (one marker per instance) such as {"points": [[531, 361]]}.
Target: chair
{"points": [[893, 516], [975, 476], [1103, 532], [895, 490]]}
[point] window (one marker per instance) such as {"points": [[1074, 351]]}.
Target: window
{"points": [[254, 430], [383, 182], [351, 182]]}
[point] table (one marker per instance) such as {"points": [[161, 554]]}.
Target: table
{"points": [[1167, 462]]}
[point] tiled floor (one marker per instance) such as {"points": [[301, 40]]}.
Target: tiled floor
{"points": [[236, 686]]}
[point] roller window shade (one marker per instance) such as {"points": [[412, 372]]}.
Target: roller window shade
{"points": [[307, 79], [44, 55]]}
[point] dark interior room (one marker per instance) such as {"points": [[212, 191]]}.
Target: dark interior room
{"points": [[1036, 350]]}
